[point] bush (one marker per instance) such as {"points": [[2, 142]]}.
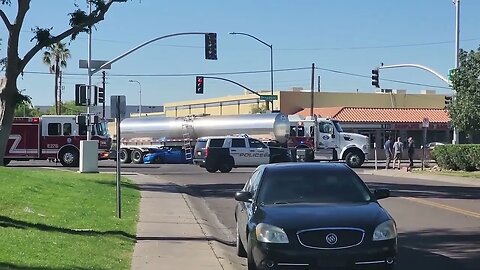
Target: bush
{"points": [[464, 157]]}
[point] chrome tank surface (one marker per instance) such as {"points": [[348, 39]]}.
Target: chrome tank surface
{"points": [[274, 125]]}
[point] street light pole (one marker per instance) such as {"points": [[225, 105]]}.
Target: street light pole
{"points": [[271, 59], [140, 93], [455, 139], [89, 90]]}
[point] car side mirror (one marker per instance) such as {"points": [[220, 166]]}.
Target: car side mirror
{"points": [[243, 196], [381, 193]]}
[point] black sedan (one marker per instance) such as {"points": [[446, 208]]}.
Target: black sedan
{"points": [[313, 216]]}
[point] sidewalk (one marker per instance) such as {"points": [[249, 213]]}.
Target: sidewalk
{"points": [[168, 234], [432, 177]]}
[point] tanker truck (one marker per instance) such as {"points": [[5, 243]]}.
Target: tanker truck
{"points": [[140, 136]]}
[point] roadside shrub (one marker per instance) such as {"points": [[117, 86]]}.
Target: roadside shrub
{"points": [[464, 157]]}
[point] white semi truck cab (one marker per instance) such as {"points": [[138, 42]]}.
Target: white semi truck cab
{"points": [[324, 139]]}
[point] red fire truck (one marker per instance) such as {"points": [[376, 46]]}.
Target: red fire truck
{"points": [[53, 137]]}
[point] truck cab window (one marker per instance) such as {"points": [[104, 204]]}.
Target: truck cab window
{"points": [[67, 129], [301, 131], [82, 130], [54, 129], [326, 127], [238, 142]]}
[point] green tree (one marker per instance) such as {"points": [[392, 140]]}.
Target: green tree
{"points": [[258, 109], [80, 22], [68, 107], [464, 110], [56, 57]]}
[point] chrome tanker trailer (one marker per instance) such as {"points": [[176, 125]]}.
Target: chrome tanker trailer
{"points": [[138, 135]]}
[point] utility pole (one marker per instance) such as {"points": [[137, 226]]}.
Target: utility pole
{"points": [[60, 93], [312, 87], [455, 139], [104, 95]]}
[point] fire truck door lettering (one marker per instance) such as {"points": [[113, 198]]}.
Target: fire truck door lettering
{"points": [[52, 145]]}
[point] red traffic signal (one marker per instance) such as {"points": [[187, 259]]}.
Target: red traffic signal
{"points": [[199, 85]]}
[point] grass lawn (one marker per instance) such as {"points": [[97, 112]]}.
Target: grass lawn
{"points": [[56, 220], [475, 174]]}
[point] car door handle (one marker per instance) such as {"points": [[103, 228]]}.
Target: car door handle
{"points": [[252, 150], [233, 150]]}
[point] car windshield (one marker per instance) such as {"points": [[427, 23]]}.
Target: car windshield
{"points": [[311, 185], [200, 144]]}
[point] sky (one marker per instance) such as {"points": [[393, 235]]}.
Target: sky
{"points": [[341, 36]]}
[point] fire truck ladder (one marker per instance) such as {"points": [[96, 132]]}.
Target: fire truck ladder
{"points": [[187, 128]]}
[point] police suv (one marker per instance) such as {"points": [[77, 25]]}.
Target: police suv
{"points": [[222, 153]]}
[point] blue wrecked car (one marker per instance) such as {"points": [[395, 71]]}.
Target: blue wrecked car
{"points": [[166, 155]]}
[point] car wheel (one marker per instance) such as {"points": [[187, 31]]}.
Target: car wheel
{"points": [[137, 156], [69, 157], [125, 156], [241, 252], [250, 262], [227, 166], [355, 159], [211, 169]]}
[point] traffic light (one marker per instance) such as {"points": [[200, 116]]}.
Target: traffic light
{"points": [[448, 101], [101, 95], [211, 46], [375, 78], [199, 85], [80, 95]]}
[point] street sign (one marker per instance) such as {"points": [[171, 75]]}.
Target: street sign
{"points": [[118, 106], [451, 73], [425, 122], [268, 97], [95, 64]]}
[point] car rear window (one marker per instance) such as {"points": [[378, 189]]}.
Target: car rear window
{"points": [[311, 185], [216, 142]]}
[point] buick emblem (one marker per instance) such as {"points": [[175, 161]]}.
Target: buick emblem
{"points": [[331, 238]]}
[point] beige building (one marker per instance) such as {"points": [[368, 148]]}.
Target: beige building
{"points": [[290, 102]]}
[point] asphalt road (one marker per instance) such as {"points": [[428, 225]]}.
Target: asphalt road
{"points": [[438, 222]]}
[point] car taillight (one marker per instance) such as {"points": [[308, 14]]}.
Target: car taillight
{"points": [[206, 152]]}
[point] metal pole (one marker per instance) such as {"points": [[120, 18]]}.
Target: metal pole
{"points": [[271, 70], [118, 174], [311, 90], [89, 89], [104, 94], [140, 105], [423, 148], [375, 151], [457, 51]]}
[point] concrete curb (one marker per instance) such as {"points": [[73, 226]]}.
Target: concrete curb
{"points": [[431, 177]]}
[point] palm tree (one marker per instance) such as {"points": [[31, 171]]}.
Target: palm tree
{"points": [[56, 58]]}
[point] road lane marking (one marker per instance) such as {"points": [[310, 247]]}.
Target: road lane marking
{"points": [[445, 207]]}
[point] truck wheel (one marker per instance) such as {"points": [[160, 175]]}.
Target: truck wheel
{"points": [[227, 166], [355, 159], [69, 157], [137, 156], [125, 156], [6, 161]]}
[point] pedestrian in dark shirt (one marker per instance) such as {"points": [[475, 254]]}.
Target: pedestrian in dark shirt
{"points": [[388, 152], [411, 151]]}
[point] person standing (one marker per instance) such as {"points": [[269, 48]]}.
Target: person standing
{"points": [[410, 151], [397, 152], [387, 147]]}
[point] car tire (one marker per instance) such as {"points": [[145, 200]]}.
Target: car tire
{"points": [[6, 161], [250, 262], [137, 156], [241, 252], [69, 157], [211, 169], [125, 156], [355, 159], [227, 166]]}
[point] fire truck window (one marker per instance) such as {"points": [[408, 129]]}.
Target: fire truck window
{"points": [[301, 131], [67, 129], [54, 129], [82, 130], [293, 131]]}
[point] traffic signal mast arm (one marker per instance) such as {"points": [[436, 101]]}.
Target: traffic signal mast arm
{"points": [[420, 67], [234, 82]]}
